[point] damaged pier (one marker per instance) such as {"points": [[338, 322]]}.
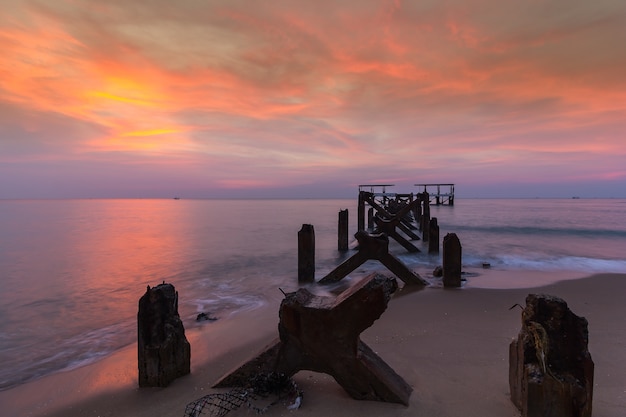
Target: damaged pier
{"points": [[439, 194]]}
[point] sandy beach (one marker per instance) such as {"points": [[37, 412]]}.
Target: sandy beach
{"points": [[451, 346]]}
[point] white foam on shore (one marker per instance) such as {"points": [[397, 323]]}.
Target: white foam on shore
{"points": [[221, 306], [74, 352], [550, 263]]}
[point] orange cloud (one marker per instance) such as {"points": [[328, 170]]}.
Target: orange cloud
{"points": [[153, 132], [313, 89]]}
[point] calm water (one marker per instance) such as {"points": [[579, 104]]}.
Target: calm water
{"points": [[73, 270]]}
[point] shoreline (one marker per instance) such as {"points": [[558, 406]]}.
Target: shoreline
{"points": [[451, 346], [516, 279]]}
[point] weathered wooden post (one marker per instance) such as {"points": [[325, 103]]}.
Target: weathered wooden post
{"points": [[550, 367], [164, 353], [306, 254], [342, 243], [418, 212], [451, 198], [433, 241], [451, 261], [322, 334], [415, 209], [373, 247], [425, 216], [361, 212], [370, 218]]}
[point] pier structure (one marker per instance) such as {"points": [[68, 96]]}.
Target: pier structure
{"points": [[384, 204], [372, 192], [439, 194], [389, 213], [379, 189]]}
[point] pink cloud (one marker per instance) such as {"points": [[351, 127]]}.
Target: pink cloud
{"points": [[290, 91]]}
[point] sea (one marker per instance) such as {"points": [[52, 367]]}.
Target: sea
{"points": [[72, 271]]}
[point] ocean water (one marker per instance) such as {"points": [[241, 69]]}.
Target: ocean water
{"points": [[72, 271]]}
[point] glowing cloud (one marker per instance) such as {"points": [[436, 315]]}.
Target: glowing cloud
{"points": [[239, 95]]}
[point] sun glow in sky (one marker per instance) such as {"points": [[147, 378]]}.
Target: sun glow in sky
{"points": [[309, 99]]}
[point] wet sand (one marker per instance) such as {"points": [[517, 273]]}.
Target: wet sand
{"points": [[451, 346]]}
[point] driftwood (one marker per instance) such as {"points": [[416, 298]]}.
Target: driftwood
{"points": [[321, 334]]}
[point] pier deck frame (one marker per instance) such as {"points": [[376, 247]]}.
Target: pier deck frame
{"points": [[379, 192], [437, 197]]}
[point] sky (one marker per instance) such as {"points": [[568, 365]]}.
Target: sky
{"points": [[205, 98]]}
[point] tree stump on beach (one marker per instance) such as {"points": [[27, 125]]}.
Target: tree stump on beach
{"points": [[451, 260], [321, 334], [550, 367], [164, 353]]}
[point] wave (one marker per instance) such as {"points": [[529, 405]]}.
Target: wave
{"points": [[88, 347], [556, 263], [538, 231], [223, 306], [70, 353]]}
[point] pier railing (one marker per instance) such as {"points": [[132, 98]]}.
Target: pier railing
{"points": [[440, 194]]}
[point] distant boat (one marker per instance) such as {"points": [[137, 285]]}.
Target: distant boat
{"points": [[575, 197], [176, 198]]}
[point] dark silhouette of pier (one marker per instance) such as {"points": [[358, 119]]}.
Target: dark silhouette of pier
{"points": [[440, 194]]}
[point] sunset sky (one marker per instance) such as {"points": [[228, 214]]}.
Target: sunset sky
{"points": [[203, 98]]}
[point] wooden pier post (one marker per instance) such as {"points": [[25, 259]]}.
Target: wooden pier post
{"points": [[374, 247], [451, 260], [322, 334], [433, 238], [370, 218], [361, 212], [306, 254], [418, 212], [550, 367], [163, 351], [415, 210], [342, 235], [425, 216], [451, 196], [440, 197]]}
